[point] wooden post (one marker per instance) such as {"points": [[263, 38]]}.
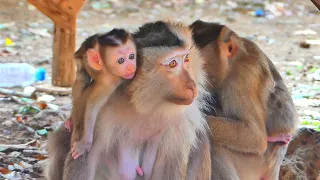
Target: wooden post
{"points": [[63, 13], [316, 3]]}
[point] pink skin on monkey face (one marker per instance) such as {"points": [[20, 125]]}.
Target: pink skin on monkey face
{"points": [[123, 60]]}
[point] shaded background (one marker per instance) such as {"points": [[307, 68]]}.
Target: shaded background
{"points": [[280, 33]]}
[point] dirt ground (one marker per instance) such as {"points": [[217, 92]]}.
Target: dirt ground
{"points": [[274, 36]]}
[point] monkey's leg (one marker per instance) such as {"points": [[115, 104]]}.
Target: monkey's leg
{"points": [[274, 157], [199, 165], [98, 95], [83, 168], [58, 148], [249, 136], [221, 169], [171, 167]]}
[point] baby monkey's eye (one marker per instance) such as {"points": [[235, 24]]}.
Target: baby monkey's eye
{"points": [[187, 59], [173, 64], [120, 61], [131, 56]]}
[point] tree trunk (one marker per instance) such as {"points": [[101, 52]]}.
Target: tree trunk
{"points": [[63, 66], [63, 13]]}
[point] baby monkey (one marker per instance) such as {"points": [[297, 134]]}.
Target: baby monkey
{"points": [[103, 61]]}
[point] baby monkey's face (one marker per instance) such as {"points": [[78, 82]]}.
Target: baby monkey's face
{"points": [[122, 59]]}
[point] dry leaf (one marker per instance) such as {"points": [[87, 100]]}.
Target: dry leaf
{"points": [[4, 171], [40, 157], [42, 105]]}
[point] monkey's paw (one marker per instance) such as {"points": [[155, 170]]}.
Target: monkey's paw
{"points": [[68, 125], [283, 138], [79, 148]]}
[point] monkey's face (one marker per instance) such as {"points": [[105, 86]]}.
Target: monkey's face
{"points": [[121, 60], [169, 73]]}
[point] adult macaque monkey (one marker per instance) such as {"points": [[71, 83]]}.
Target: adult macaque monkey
{"points": [[153, 122], [110, 58], [254, 116]]}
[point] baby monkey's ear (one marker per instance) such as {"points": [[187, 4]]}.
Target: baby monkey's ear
{"points": [[94, 59]]}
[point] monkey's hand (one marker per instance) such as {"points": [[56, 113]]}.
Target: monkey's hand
{"points": [[79, 148], [283, 138], [68, 124]]}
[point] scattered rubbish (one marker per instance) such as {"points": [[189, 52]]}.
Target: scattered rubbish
{"points": [[15, 93], [46, 98], [29, 90], [8, 52], [316, 75], [313, 42], [42, 132], [41, 32], [259, 13], [14, 154], [20, 74], [9, 42], [304, 45], [305, 32], [12, 175], [28, 109], [6, 132], [99, 5], [42, 105], [6, 25], [11, 167], [7, 123], [53, 107]]}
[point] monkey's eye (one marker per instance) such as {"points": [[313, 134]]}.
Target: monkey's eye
{"points": [[120, 60], [131, 56], [187, 59], [230, 48], [173, 64]]}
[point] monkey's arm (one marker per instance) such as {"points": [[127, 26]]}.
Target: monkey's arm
{"points": [[82, 80], [199, 166], [245, 136], [282, 116], [97, 95]]}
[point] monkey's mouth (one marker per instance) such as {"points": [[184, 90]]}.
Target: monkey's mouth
{"points": [[129, 76], [182, 101]]}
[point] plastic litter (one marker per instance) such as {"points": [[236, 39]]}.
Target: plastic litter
{"points": [[20, 74]]}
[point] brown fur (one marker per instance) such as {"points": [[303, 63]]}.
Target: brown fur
{"points": [[251, 103], [138, 113], [98, 75]]}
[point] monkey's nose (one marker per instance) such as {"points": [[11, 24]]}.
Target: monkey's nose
{"points": [[193, 87], [131, 69]]}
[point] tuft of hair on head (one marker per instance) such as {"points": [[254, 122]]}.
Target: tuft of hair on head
{"points": [[87, 44], [115, 37], [157, 34], [205, 32]]}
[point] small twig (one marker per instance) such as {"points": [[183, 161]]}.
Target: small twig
{"points": [[16, 93], [19, 146], [49, 89], [17, 100]]}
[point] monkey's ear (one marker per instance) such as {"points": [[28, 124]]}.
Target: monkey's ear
{"points": [[94, 59], [230, 44], [232, 48]]}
